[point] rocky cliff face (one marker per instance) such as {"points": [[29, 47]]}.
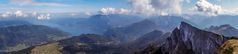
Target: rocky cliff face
{"points": [[187, 39]]}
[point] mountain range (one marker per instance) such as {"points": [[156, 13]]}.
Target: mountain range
{"points": [[184, 39], [114, 34], [135, 30], [207, 21], [96, 24]]}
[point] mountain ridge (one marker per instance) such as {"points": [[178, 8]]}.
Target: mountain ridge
{"points": [[187, 39], [226, 30]]}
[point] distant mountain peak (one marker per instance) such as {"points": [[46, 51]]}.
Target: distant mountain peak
{"points": [[184, 25], [226, 26], [226, 30]]}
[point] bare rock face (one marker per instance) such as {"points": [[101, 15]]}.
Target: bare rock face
{"points": [[187, 39]]}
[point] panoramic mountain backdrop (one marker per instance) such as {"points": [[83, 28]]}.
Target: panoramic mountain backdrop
{"points": [[118, 26]]}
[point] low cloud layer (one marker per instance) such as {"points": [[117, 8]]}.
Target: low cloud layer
{"points": [[208, 8], [22, 14]]}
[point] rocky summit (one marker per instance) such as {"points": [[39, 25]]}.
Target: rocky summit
{"points": [[187, 39]]}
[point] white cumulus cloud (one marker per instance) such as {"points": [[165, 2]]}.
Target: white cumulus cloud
{"points": [[142, 7], [20, 13], [156, 7], [148, 8], [106, 11], [43, 16], [171, 6], [208, 8], [24, 14], [17, 13]]}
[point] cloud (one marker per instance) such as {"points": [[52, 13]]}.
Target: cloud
{"points": [[233, 11], [7, 14], [167, 5], [88, 13], [43, 16], [17, 13], [148, 8], [208, 8], [24, 14], [155, 7], [20, 13], [142, 7], [106, 11]]}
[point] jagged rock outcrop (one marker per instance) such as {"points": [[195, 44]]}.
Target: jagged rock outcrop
{"points": [[187, 39]]}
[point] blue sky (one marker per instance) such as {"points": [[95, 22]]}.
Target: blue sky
{"points": [[61, 5], [88, 5]]}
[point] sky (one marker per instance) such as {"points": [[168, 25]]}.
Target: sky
{"points": [[144, 7], [60, 5]]}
